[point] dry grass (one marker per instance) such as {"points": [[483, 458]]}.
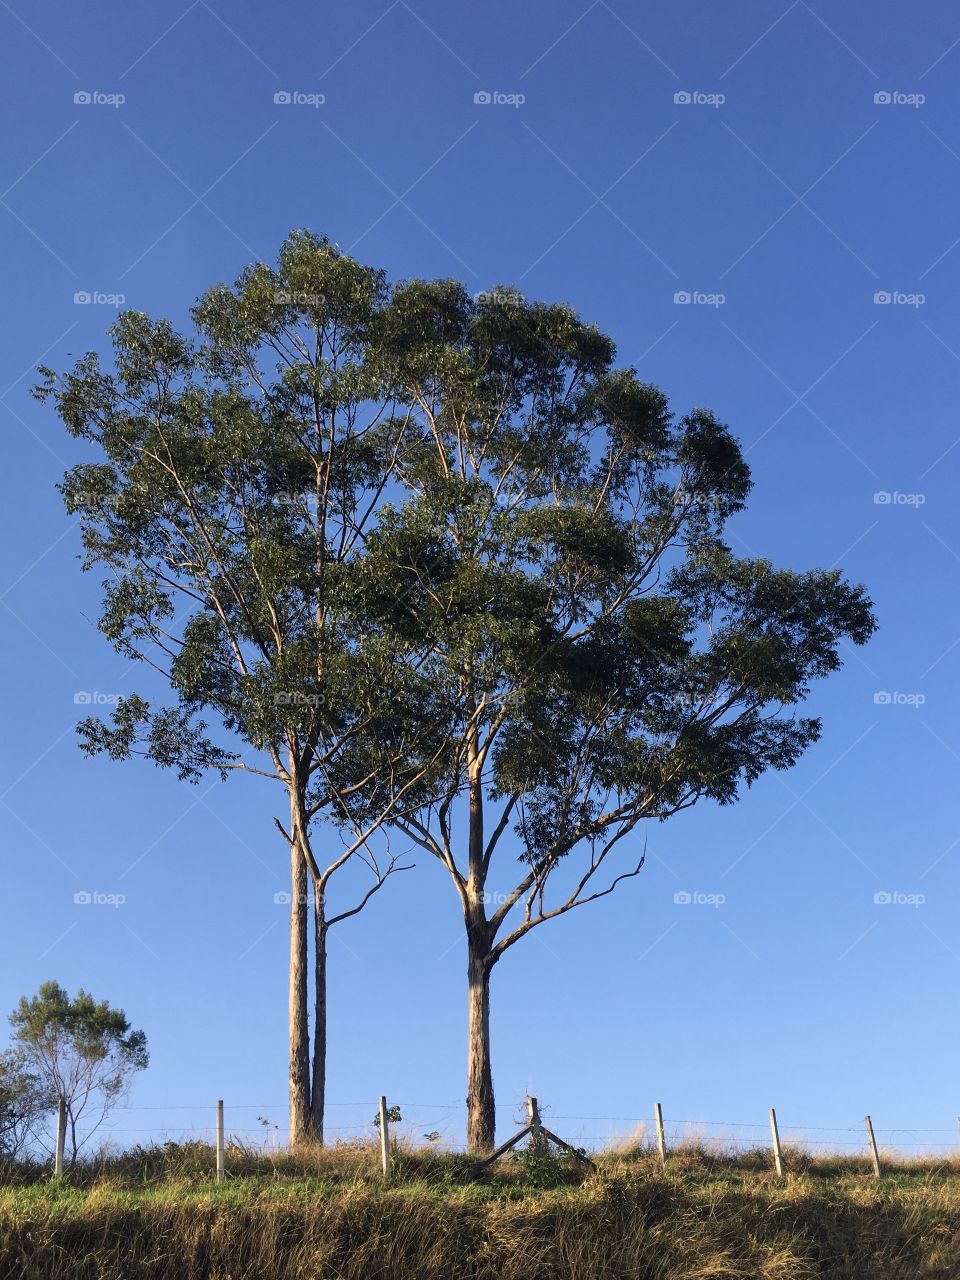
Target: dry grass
{"points": [[154, 1213]]}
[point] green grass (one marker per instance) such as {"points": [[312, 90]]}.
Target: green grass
{"points": [[155, 1213]]}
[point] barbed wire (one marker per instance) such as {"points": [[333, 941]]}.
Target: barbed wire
{"points": [[792, 1132], [238, 1106]]}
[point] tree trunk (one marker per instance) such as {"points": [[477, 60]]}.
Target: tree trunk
{"points": [[318, 1092], [299, 1028], [481, 1112]]}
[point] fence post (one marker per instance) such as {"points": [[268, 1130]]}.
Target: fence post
{"points": [[61, 1138], [537, 1143], [661, 1140], [775, 1135], [384, 1137], [220, 1140], [874, 1155]]}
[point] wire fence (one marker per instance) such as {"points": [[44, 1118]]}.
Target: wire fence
{"points": [[443, 1123]]}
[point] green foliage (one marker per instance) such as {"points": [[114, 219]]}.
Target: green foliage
{"points": [[397, 515], [236, 475], [547, 1168], [427, 554], [52, 1021], [393, 1116], [77, 1049], [555, 567], [23, 1103]]}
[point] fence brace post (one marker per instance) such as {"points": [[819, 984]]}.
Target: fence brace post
{"points": [[537, 1144], [874, 1154], [661, 1139], [775, 1135]]}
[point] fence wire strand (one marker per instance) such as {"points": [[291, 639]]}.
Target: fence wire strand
{"points": [[736, 1133]]}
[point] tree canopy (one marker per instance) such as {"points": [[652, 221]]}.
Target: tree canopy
{"points": [[236, 475], [600, 654], [449, 572], [77, 1050]]}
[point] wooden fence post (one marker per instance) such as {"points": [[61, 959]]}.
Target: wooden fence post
{"points": [[537, 1144], [874, 1155], [61, 1138], [775, 1136], [220, 1161], [384, 1137], [661, 1140]]}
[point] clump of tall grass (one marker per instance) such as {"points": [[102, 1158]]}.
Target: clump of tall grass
{"points": [[155, 1213], [357, 1163]]}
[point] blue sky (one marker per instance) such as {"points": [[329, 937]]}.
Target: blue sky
{"points": [[782, 199]]}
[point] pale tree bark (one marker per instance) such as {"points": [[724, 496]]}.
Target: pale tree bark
{"points": [[485, 946], [299, 1029], [481, 1106], [319, 1086], [308, 1080]]}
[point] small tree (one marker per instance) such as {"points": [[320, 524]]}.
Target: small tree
{"points": [[600, 655], [80, 1051], [23, 1104]]}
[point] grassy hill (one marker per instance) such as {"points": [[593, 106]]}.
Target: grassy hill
{"points": [[154, 1214]]}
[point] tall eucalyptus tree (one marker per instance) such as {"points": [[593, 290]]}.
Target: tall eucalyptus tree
{"points": [[235, 480], [598, 655]]}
